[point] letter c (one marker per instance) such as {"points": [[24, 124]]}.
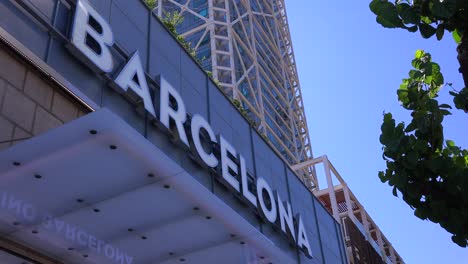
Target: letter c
{"points": [[198, 122]]}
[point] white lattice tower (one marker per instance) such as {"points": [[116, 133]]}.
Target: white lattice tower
{"points": [[247, 47]]}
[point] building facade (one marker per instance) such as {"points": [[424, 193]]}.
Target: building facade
{"points": [[116, 147], [247, 47], [365, 242]]}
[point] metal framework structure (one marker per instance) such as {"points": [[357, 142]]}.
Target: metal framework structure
{"points": [[344, 206], [247, 46]]}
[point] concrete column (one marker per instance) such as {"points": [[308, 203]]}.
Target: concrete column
{"points": [[348, 201], [365, 222], [331, 189], [381, 244], [392, 254], [160, 7]]}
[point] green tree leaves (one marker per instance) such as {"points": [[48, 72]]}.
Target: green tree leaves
{"points": [[461, 99], [431, 174], [151, 3], [408, 14], [443, 9], [387, 14], [457, 36], [171, 20], [430, 17], [424, 81], [426, 30]]}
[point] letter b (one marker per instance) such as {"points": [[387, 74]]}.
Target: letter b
{"points": [[92, 36]]}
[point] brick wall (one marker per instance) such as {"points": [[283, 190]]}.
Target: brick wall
{"points": [[29, 104]]}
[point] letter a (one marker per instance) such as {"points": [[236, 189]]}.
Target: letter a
{"points": [[302, 240], [132, 76]]}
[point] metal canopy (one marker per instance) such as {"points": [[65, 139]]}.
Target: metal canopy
{"points": [[96, 191]]}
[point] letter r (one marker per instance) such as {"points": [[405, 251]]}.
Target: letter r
{"points": [[168, 112], [92, 36]]}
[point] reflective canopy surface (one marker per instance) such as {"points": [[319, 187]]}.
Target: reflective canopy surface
{"points": [[101, 193]]}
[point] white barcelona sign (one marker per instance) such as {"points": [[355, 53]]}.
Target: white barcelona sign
{"points": [[91, 39]]}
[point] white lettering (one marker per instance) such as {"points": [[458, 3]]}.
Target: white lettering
{"points": [[270, 214], [70, 232], [92, 35], [197, 123], [119, 257], [302, 240], [92, 242], [167, 112], [58, 225], [100, 245], [132, 76], [15, 204], [82, 238], [286, 218], [228, 167], [109, 251], [129, 259], [245, 183]]}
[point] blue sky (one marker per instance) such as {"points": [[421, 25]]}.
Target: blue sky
{"points": [[349, 68]]}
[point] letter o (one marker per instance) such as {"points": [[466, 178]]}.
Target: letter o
{"points": [[270, 214], [109, 251]]}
